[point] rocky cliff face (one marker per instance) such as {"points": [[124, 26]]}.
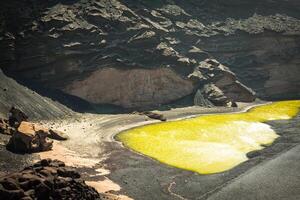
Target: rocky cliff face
{"points": [[143, 53]]}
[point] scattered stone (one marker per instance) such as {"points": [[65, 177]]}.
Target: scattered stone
{"points": [[151, 115], [253, 154], [46, 179]]}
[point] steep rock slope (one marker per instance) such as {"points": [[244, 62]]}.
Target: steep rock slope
{"points": [[67, 44], [33, 104]]}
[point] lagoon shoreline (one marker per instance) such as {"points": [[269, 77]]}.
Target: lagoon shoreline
{"points": [[105, 163]]}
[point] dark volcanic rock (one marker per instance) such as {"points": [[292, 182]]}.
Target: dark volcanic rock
{"points": [[70, 45], [16, 116], [154, 115], [213, 76], [56, 135], [29, 138], [46, 179], [212, 93]]}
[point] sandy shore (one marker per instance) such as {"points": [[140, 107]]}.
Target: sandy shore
{"points": [[90, 134]]}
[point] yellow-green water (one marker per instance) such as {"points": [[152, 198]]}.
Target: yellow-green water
{"points": [[212, 143]]}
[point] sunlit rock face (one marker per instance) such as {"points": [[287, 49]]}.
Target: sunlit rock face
{"points": [[209, 144], [58, 42], [131, 88]]}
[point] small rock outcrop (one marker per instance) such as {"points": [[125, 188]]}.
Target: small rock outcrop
{"points": [[213, 94], [56, 135], [46, 179], [154, 115], [151, 115], [218, 85], [29, 138]]}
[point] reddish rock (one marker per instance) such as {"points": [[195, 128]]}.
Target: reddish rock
{"points": [[47, 179], [29, 138]]}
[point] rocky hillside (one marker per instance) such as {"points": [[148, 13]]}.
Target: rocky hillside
{"points": [[145, 53], [33, 104]]}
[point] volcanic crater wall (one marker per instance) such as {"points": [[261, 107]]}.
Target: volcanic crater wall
{"points": [[143, 53]]}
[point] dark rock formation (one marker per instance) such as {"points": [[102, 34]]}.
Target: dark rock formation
{"points": [[214, 95], [29, 138], [16, 116], [46, 179], [218, 85], [154, 115], [97, 49], [56, 135]]}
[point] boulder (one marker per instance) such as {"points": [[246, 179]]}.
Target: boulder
{"points": [[46, 179], [154, 115], [28, 138], [213, 94], [57, 135]]}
